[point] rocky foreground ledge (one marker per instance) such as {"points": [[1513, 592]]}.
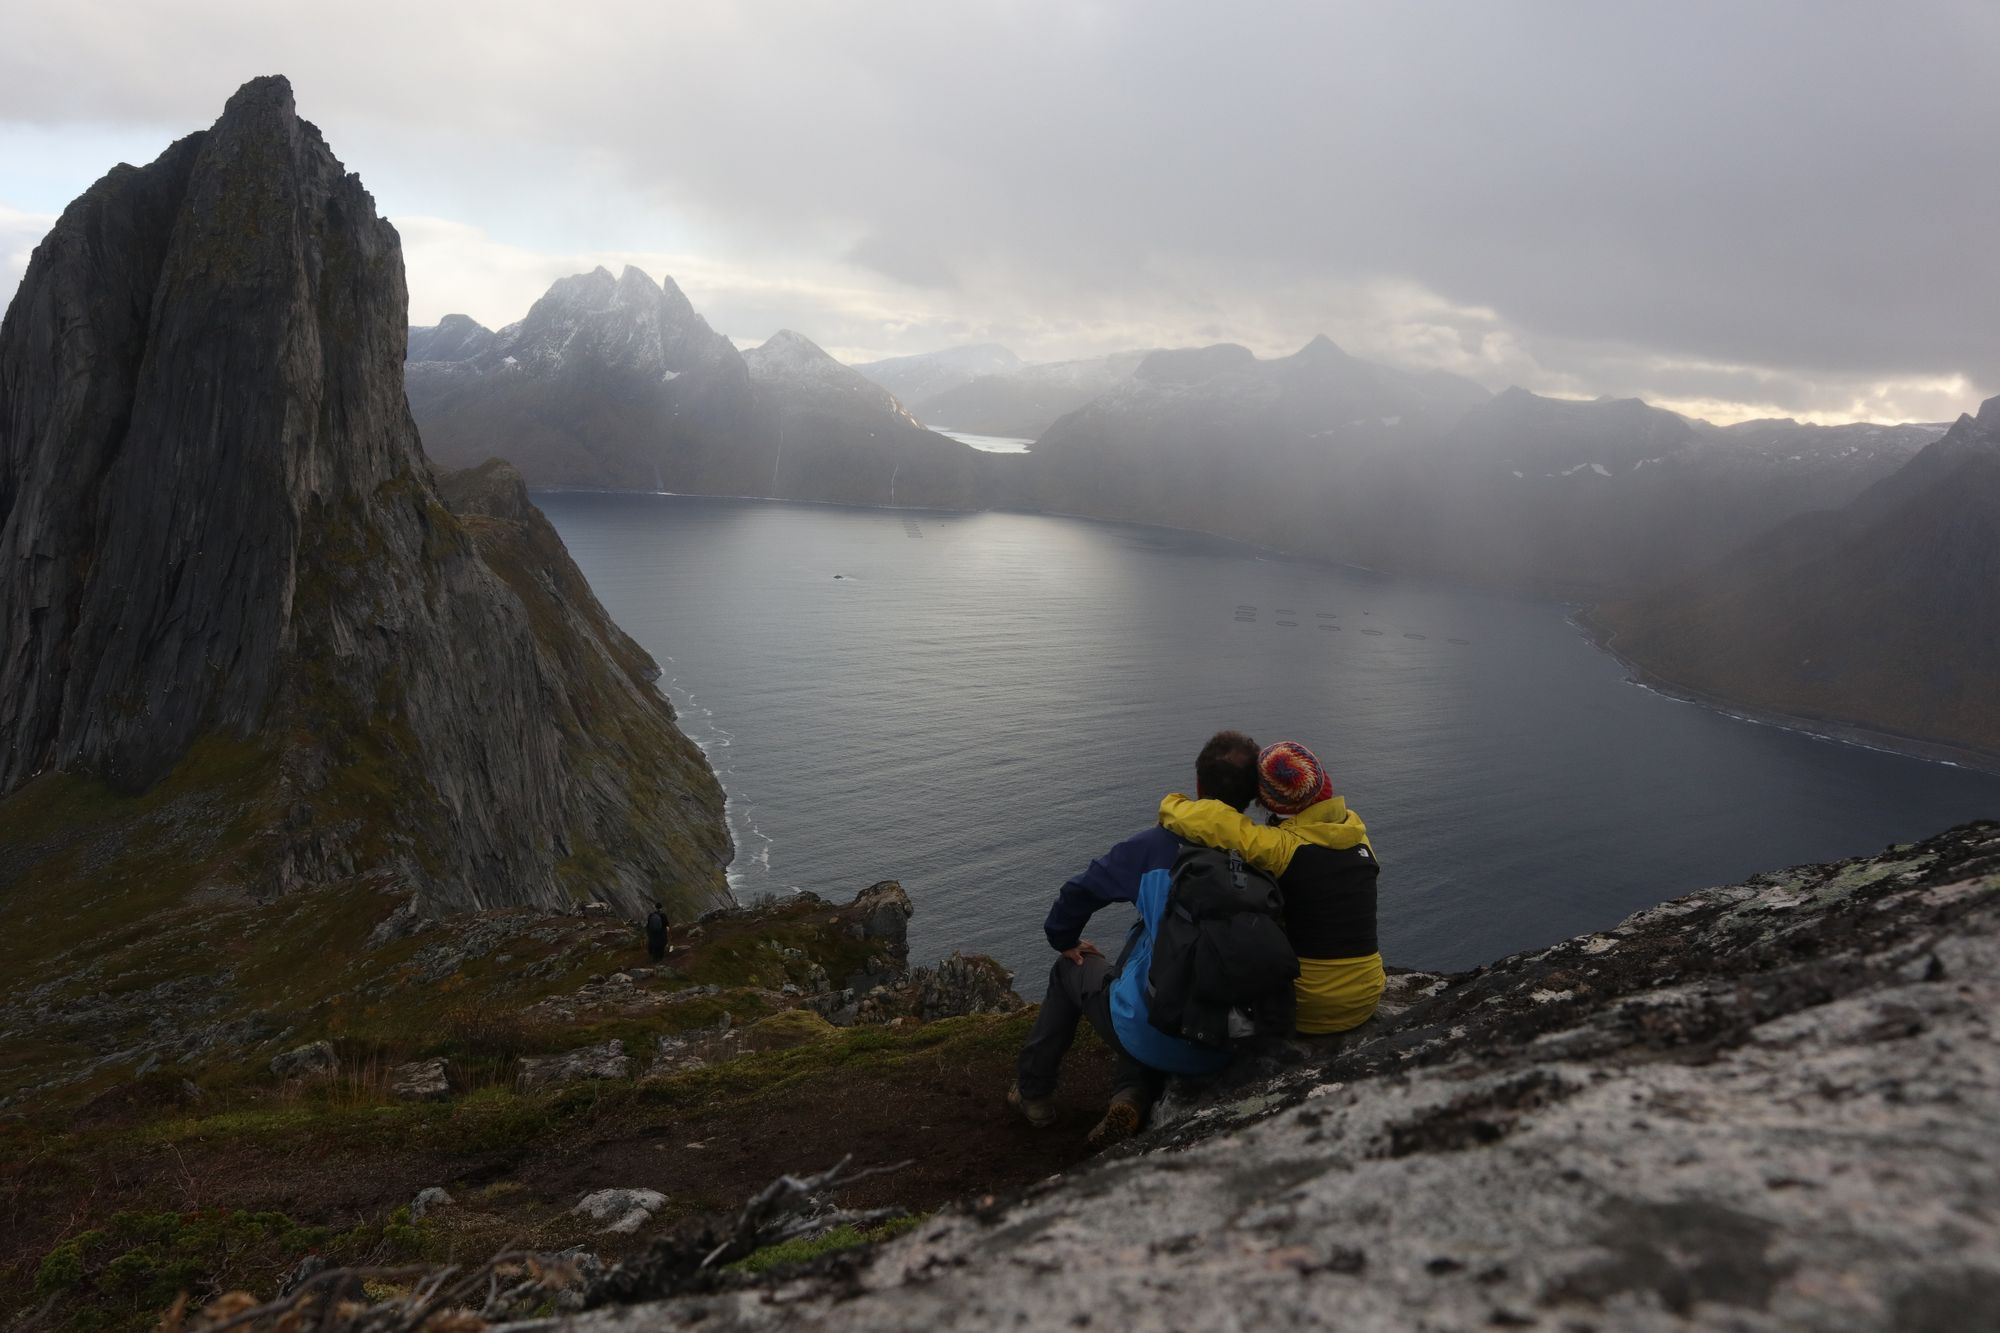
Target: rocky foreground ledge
{"points": [[1770, 1105]]}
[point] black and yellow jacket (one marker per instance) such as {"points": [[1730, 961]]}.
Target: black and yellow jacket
{"points": [[1325, 866]]}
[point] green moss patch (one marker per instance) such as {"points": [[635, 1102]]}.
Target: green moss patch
{"points": [[812, 1247]]}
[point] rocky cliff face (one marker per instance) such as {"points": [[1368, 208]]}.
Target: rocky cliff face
{"points": [[220, 533], [1758, 1107]]}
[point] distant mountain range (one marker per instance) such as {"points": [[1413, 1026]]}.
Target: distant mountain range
{"points": [[617, 382], [1881, 612], [1017, 401], [1737, 561], [920, 378]]}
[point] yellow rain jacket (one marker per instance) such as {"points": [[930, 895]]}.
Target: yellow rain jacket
{"points": [[1325, 866]]}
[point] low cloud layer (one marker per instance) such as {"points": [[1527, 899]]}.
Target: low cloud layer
{"points": [[1736, 210]]}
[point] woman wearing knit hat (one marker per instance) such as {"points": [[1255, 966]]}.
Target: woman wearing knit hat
{"points": [[1318, 851]]}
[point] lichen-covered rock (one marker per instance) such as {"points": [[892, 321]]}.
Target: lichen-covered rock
{"points": [[1761, 1107], [965, 984], [219, 527], [428, 1201], [622, 1210], [420, 1081], [306, 1061], [604, 1060]]}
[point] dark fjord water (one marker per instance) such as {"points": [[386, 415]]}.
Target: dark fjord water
{"points": [[982, 702]]}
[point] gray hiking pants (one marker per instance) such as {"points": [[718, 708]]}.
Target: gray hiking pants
{"points": [[1077, 993]]}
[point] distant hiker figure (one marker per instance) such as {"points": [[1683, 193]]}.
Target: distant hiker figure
{"points": [[656, 932], [1082, 984], [1318, 851]]}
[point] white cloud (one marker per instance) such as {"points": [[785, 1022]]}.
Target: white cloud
{"points": [[1526, 194]]}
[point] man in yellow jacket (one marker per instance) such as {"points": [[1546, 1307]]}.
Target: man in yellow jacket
{"points": [[1318, 851]]}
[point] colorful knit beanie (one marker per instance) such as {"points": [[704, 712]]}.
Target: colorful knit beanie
{"points": [[1290, 779]]}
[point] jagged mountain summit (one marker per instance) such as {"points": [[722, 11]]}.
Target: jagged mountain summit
{"points": [[625, 323], [618, 382], [1880, 613], [237, 597], [607, 381]]}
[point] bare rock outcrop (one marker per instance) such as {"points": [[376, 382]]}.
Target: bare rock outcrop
{"points": [[220, 530], [420, 1081], [308, 1061], [964, 984], [1764, 1106], [604, 1060]]}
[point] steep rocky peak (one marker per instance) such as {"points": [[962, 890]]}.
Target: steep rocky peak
{"points": [[201, 300], [676, 304], [590, 290], [635, 288], [790, 357], [1320, 349], [1989, 414], [788, 345], [792, 367], [226, 530]]}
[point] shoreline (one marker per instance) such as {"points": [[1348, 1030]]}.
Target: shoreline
{"points": [[1837, 731]]}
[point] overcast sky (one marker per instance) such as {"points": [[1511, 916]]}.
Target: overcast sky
{"points": [[1734, 209]]}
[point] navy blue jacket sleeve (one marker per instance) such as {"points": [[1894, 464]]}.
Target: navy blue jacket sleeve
{"points": [[1111, 878]]}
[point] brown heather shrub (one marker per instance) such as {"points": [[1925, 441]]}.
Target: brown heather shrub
{"points": [[485, 1044]]}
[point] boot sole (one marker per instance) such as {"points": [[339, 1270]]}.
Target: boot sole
{"points": [[1121, 1122]]}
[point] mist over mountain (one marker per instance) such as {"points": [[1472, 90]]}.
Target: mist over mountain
{"points": [[915, 379], [842, 437], [1024, 402], [1582, 497], [1217, 440], [618, 382], [1879, 613]]}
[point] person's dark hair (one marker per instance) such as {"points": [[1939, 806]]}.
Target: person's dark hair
{"points": [[1226, 769]]}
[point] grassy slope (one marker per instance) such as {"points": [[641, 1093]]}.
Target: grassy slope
{"points": [[118, 1192]]}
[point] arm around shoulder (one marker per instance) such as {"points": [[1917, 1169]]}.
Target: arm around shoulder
{"points": [[1219, 825]]}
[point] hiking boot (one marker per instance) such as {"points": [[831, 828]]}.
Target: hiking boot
{"points": [[1037, 1111], [1121, 1122]]}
